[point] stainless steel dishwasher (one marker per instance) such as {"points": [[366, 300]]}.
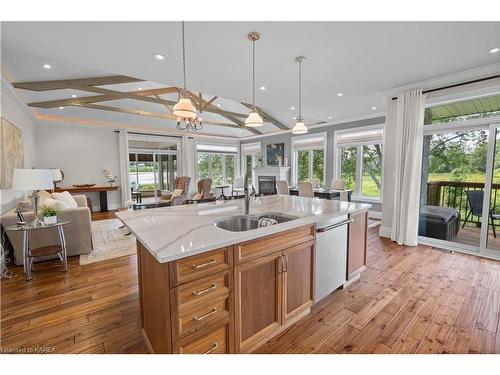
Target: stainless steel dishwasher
{"points": [[331, 256]]}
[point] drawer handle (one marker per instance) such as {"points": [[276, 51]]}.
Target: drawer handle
{"points": [[214, 346], [203, 265], [201, 292], [197, 319]]}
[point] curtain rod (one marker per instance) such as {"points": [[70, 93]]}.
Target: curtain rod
{"points": [[456, 85]]}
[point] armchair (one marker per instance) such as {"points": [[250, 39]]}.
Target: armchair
{"points": [[180, 193]]}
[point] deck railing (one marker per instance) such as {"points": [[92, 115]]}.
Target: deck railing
{"points": [[452, 194]]}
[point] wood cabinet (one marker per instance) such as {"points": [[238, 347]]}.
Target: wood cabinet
{"points": [[356, 245], [298, 284], [258, 299], [271, 293], [207, 304]]}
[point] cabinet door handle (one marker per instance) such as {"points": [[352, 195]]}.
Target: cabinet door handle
{"points": [[214, 346], [203, 265], [201, 292], [211, 312], [286, 262], [280, 264]]}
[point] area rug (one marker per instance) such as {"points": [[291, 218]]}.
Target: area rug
{"points": [[109, 241]]}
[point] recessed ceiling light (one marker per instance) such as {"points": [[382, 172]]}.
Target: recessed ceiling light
{"points": [[262, 88], [218, 105], [295, 118], [374, 108], [329, 117], [61, 107], [494, 50], [340, 94], [73, 96], [292, 108], [159, 56], [46, 66]]}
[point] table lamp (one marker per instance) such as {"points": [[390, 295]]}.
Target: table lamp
{"points": [[32, 179]]}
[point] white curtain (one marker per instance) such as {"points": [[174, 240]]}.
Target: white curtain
{"points": [[124, 171], [410, 123], [189, 161]]}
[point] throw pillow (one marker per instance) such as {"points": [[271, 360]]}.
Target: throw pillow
{"points": [[66, 198], [43, 194], [198, 196], [177, 192], [54, 203]]}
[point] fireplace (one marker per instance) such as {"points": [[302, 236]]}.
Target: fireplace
{"points": [[267, 185]]}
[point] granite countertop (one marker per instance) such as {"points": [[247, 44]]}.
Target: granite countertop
{"points": [[171, 233]]}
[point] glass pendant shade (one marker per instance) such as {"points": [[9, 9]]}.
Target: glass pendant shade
{"points": [[184, 109], [299, 128], [254, 120]]}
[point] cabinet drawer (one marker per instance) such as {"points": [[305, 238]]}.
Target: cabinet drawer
{"points": [[254, 249], [201, 291], [213, 342], [198, 266], [200, 316]]}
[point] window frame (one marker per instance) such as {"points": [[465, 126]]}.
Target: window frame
{"points": [[295, 150], [337, 160]]}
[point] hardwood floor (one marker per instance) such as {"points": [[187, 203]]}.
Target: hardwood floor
{"points": [[409, 300]]}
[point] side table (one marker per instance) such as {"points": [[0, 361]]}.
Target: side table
{"points": [[29, 253]]}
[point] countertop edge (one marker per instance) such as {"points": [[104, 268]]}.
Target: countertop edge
{"points": [[262, 232]]}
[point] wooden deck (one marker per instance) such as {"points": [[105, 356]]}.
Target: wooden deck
{"points": [[469, 235], [409, 300]]}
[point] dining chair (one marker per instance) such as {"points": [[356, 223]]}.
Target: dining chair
{"points": [[282, 188], [315, 181], [338, 184], [306, 189], [238, 185]]}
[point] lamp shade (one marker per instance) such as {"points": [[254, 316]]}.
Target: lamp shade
{"points": [[254, 120], [185, 109], [299, 128], [56, 175], [32, 179]]}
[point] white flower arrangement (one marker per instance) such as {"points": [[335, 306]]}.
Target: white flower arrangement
{"points": [[110, 176]]}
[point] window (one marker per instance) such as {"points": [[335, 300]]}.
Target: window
{"points": [[251, 155], [359, 160], [217, 162], [153, 163], [308, 153]]}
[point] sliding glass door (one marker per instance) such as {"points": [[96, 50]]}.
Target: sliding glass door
{"points": [[460, 186]]}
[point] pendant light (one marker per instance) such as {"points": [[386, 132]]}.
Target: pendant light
{"points": [[253, 120], [184, 109], [300, 127]]}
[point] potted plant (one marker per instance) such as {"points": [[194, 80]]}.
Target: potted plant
{"points": [[49, 214]]}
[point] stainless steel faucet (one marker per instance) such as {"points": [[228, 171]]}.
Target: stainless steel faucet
{"points": [[247, 195]]}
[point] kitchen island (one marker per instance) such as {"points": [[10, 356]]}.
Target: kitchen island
{"points": [[206, 289]]}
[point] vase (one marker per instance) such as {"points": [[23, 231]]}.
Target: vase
{"points": [[50, 219]]}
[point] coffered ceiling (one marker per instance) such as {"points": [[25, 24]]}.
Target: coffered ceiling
{"points": [[361, 60]]}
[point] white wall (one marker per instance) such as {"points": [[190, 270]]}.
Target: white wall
{"points": [[81, 153], [14, 110]]}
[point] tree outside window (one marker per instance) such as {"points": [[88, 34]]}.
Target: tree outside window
{"points": [[219, 167], [302, 165], [372, 170], [318, 165], [348, 166]]}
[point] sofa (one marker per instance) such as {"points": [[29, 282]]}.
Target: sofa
{"points": [[77, 234]]}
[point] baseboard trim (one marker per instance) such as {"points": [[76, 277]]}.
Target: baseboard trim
{"points": [[385, 232]]}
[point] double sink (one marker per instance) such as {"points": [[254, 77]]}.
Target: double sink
{"points": [[242, 223]]}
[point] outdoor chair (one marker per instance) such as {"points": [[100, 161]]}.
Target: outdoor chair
{"points": [[475, 202]]}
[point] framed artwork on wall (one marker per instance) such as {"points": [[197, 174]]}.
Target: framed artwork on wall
{"points": [[275, 154], [11, 152]]}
